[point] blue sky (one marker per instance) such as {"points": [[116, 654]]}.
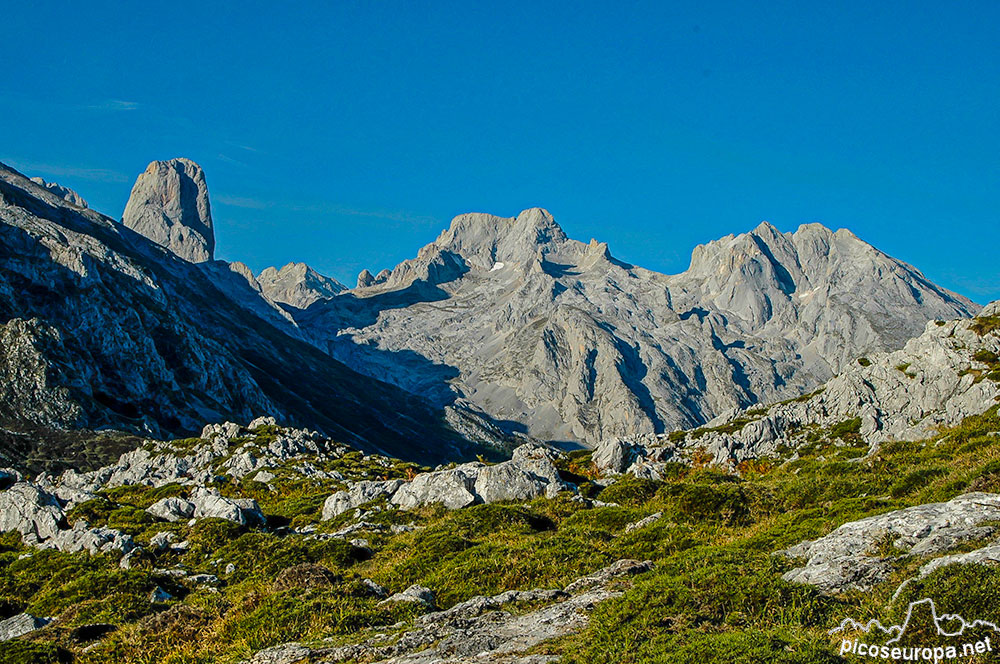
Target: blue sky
{"points": [[346, 135]]}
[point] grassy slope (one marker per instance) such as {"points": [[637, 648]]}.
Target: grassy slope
{"points": [[715, 595]]}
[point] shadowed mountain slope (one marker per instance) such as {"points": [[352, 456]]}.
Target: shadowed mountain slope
{"points": [[100, 327]]}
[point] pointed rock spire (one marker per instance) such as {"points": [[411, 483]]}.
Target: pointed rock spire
{"points": [[169, 205]]}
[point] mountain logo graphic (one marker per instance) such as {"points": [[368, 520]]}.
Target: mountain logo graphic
{"points": [[947, 625], [940, 622]]}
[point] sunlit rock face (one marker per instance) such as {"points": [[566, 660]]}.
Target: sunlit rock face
{"points": [[560, 339], [169, 205], [297, 285], [62, 192], [104, 328]]}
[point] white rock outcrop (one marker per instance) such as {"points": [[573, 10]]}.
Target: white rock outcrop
{"points": [[297, 285], [62, 192], [39, 517], [358, 494], [204, 503], [453, 488], [414, 594], [530, 473], [19, 625], [30, 511], [169, 205], [847, 558]]}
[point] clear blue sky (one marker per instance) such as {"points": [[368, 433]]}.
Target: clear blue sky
{"points": [[348, 135]]}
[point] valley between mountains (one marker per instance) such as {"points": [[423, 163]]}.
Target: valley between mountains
{"points": [[512, 448]]}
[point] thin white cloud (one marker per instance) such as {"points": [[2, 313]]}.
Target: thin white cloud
{"points": [[242, 147], [65, 170], [390, 215], [114, 105], [400, 216], [229, 160], [241, 202]]}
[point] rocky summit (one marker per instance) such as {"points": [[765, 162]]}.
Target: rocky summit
{"points": [[559, 339], [64, 193], [169, 205], [297, 285]]}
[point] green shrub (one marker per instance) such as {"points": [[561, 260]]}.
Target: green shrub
{"points": [[984, 325], [987, 356], [705, 501], [95, 511], [263, 556], [753, 646], [630, 490], [33, 652], [10, 606], [915, 480], [701, 593], [213, 533], [846, 430], [49, 582], [142, 496]]}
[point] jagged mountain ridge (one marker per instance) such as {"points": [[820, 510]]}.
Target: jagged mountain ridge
{"points": [[103, 328], [62, 192], [512, 328], [558, 338], [945, 375], [297, 285]]}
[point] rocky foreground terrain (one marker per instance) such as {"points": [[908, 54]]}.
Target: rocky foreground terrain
{"points": [[937, 379], [270, 544]]}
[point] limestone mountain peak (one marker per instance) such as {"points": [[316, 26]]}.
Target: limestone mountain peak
{"points": [[560, 337], [62, 192], [298, 285], [485, 239], [169, 205]]}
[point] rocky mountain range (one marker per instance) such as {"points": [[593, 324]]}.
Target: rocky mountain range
{"points": [[177, 517], [559, 339], [948, 373], [501, 330], [797, 407], [104, 328]]}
